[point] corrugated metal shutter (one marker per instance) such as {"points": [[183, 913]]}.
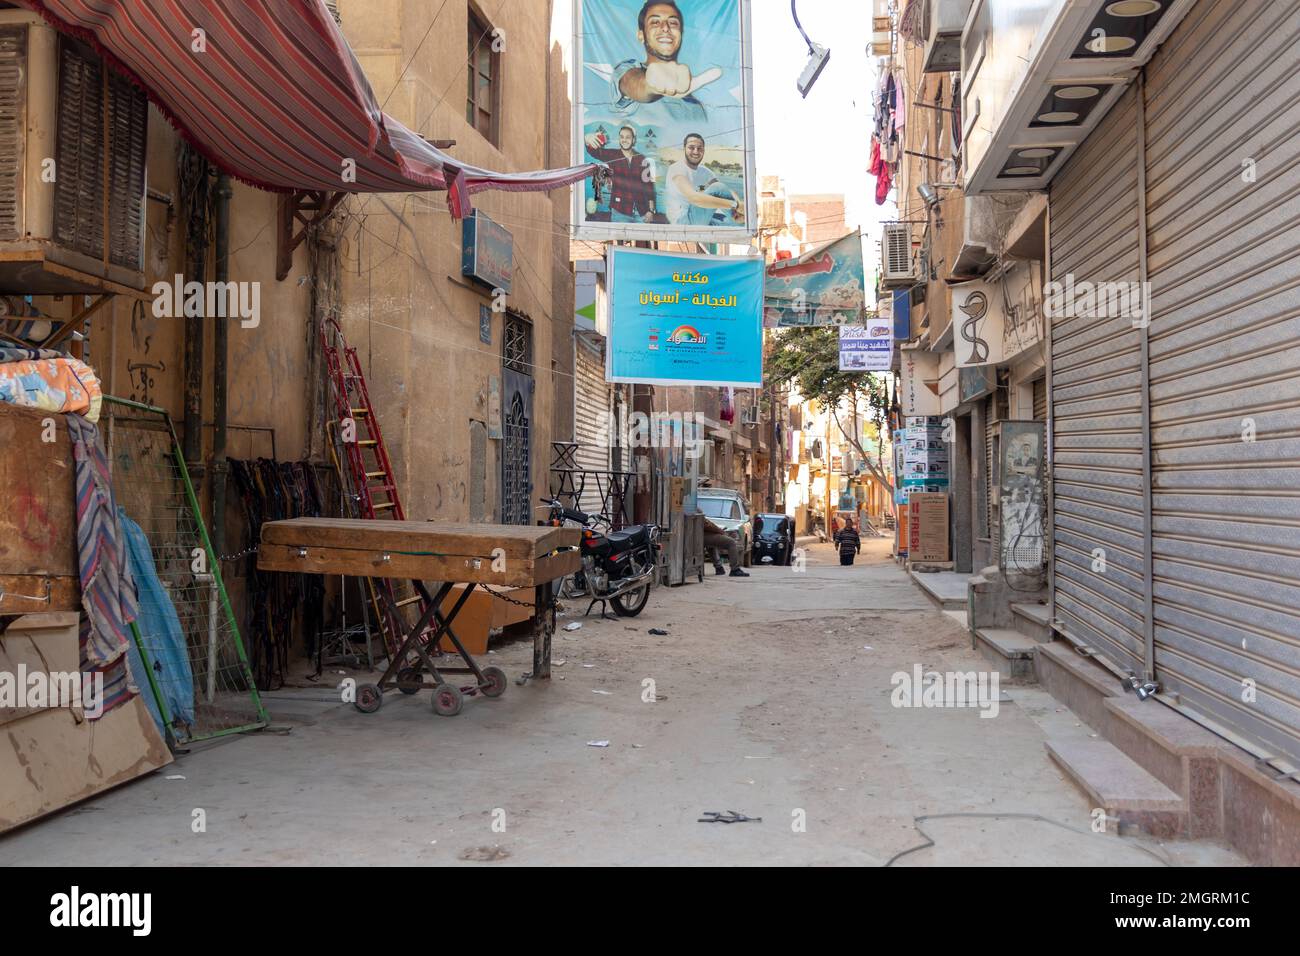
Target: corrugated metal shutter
{"points": [[591, 408], [1040, 400], [1097, 399], [79, 151], [13, 109], [1225, 278]]}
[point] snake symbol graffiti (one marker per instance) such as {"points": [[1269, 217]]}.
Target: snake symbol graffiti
{"points": [[976, 307]]}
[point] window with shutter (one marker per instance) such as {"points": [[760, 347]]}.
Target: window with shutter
{"points": [[13, 98]]}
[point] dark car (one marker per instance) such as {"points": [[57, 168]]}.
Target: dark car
{"points": [[773, 539]]}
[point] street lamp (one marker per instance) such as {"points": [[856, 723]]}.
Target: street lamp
{"points": [[818, 57]]}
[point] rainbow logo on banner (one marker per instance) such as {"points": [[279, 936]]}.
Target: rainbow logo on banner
{"points": [[686, 335]]}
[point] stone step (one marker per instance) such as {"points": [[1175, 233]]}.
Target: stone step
{"points": [[1032, 621], [945, 588], [1114, 783], [1010, 651]]}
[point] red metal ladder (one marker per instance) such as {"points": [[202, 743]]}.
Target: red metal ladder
{"points": [[373, 490]]}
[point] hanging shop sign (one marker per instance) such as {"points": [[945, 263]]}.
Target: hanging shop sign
{"points": [[902, 314], [995, 320], [866, 348], [487, 252], [680, 319], [664, 94], [824, 286], [919, 374]]}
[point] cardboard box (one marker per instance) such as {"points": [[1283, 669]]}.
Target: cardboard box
{"points": [[928, 526], [482, 612]]}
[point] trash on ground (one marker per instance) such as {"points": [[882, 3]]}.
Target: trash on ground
{"points": [[658, 632], [597, 743], [573, 626], [727, 816], [607, 693]]}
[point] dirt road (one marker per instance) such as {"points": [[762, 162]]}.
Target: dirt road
{"points": [[773, 699]]}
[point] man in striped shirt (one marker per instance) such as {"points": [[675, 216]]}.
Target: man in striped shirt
{"points": [[632, 180]]}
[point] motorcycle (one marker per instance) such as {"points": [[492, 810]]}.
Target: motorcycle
{"points": [[618, 567]]}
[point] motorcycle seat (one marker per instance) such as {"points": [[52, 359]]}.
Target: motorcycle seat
{"points": [[629, 538]]}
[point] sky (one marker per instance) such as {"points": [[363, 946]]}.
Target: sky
{"points": [[823, 143]]}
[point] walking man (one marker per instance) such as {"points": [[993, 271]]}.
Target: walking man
{"points": [[848, 541]]}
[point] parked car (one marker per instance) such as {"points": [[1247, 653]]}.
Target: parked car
{"points": [[728, 510], [773, 539]]}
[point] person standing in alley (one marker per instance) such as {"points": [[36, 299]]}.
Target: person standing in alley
{"points": [[848, 541]]}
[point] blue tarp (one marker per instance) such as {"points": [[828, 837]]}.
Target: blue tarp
{"points": [[160, 631]]}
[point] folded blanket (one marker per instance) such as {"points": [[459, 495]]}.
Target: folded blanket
{"points": [[49, 381]]}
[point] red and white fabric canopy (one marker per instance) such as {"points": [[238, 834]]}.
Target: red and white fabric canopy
{"points": [[276, 97]]}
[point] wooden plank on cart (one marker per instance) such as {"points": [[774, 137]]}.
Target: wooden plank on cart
{"points": [[510, 555]]}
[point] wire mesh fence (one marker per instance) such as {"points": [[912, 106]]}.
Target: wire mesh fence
{"points": [[198, 668]]}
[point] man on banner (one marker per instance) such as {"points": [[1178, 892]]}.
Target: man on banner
{"points": [[659, 78], [696, 197], [632, 182]]}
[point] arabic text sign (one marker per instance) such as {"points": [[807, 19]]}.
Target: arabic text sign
{"points": [[824, 286], [863, 349], [663, 93], [678, 319]]}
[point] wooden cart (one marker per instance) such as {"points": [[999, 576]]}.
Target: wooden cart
{"points": [[520, 556]]}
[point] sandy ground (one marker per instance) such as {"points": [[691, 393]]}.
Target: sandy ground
{"points": [[773, 700]]}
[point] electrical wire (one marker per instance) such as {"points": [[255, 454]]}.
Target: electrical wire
{"points": [[929, 841]]}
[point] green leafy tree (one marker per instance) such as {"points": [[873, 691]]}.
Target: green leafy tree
{"points": [[809, 360]]}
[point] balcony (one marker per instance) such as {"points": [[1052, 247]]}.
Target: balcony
{"points": [[1038, 75]]}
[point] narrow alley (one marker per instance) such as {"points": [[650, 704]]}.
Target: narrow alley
{"points": [[773, 697]]}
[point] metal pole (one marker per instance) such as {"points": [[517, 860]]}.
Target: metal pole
{"points": [[220, 465], [1148, 570]]}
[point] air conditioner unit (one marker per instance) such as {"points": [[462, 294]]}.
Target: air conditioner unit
{"points": [[896, 268], [72, 165], [943, 45], [751, 415]]}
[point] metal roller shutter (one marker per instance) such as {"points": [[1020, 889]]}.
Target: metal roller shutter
{"points": [[591, 409], [1224, 261], [1097, 399], [1040, 400]]}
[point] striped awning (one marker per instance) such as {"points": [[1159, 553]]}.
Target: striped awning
{"points": [[271, 93]]}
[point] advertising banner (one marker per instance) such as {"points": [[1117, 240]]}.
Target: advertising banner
{"points": [[865, 348], [680, 319], [664, 100], [824, 286]]}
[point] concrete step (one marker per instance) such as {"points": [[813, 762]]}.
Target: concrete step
{"points": [[1010, 651], [1079, 683], [1177, 751], [1114, 783], [945, 588], [959, 618], [1032, 621]]}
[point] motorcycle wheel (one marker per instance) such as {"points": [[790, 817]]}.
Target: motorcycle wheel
{"points": [[632, 603]]}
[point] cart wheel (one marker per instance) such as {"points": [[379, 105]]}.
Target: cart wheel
{"points": [[411, 675], [447, 700], [369, 699], [494, 682]]}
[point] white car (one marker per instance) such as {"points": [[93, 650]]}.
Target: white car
{"points": [[728, 510]]}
